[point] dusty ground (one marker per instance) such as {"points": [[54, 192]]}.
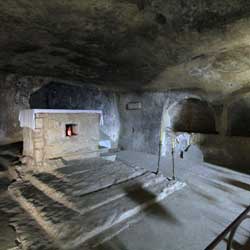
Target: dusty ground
{"points": [[193, 216], [189, 219], [7, 234], [8, 154]]}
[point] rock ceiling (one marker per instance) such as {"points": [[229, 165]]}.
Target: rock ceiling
{"points": [[134, 44]]}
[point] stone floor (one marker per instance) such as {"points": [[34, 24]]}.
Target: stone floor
{"points": [[75, 204], [7, 234], [104, 215], [213, 198], [8, 154]]}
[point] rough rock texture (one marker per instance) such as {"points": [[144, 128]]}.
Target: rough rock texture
{"points": [[14, 96], [227, 144], [48, 140], [24, 92], [231, 152], [28, 235], [90, 196], [192, 115], [194, 43], [77, 97], [141, 129]]}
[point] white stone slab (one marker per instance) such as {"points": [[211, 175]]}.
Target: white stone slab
{"points": [[27, 117]]}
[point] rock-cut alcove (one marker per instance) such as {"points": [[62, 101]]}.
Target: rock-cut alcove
{"points": [[192, 115]]}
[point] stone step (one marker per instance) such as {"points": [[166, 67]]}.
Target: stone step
{"points": [[136, 200], [83, 203], [71, 228], [55, 188], [62, 168], [53, 217], [29, 235], [118, 168], [103, 175], [97, 241], [75, 166], [121, 210], [86, 203], [104, 179], [85, 173]]}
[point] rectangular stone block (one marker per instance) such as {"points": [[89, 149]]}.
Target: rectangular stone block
{"points": [[38, 143], [37, 133], [51, 124], [38, 155], [39, 123], [50, 139]]}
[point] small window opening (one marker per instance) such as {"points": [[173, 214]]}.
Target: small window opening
{"points": [[71, 130]]}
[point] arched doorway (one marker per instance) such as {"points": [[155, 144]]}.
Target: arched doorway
{"points": [[191, 115]]}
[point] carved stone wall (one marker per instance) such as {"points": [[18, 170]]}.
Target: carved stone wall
{"points": [[24, 92], [48, 140]]}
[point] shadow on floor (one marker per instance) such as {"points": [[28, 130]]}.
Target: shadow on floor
{"points": [[218, 185], [236, 183], [202, 194], [4, 182], [115, 244], [7, 234], [140, 195], [219, 169], [9, 154], [16, 146]]}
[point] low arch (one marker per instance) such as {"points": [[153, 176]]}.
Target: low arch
{"points": [[191, 115]]}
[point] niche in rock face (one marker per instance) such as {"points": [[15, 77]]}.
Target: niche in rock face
{"points": [[56, 95], [192, 115]]}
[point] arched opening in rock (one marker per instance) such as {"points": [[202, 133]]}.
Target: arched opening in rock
{"points": [[192, 115], [57, 95]]}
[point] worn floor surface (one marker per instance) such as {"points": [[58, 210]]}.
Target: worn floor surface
{"points": [[194, 216], [70, 206], [7, 234], [8, 154], [188, 219]]}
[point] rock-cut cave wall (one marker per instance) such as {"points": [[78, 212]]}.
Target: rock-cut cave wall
{"points": [[194, 116], [63, 96], [14, 96], [18, 93], [140, 127], [144, 115]]}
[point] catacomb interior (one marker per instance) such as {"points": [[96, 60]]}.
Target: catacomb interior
{"points": [[125, 124]]}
